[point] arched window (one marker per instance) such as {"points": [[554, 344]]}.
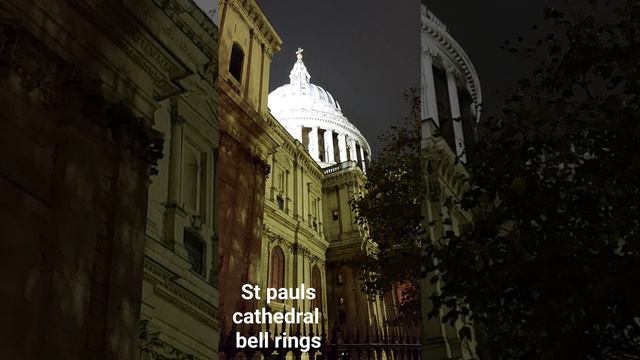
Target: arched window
{"points": [[316, 283], [236, 62], [276, 279]]}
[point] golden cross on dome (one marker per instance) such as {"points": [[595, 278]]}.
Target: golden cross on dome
{"points": [[299, 53]]}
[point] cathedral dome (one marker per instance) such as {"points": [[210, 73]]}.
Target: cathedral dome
{"points": [[314, 117], [300, 93]]}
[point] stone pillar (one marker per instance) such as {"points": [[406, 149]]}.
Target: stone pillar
{"points": [[299, 130], [455, 114], [429, 104], [328, 145], [313, 143], [354, 154], [175, 167], [362, 157], [429, 108], [342, 146], [175, 216]]}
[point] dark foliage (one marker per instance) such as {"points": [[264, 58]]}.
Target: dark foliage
{"points": [[551, 266], [391, 210]]}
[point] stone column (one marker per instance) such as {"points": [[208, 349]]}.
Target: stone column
{"points": [[455, 114], [175, 167], [342, 146], [354, 154], [362, 157], [299, 130], [175, 216], [328, 145], [429, 108], [313, 143]]}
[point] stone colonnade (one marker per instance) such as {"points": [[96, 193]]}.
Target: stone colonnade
{"points": [[331, 147], [429, 108]]}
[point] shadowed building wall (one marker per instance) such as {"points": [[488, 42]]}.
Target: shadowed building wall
{"points": [[451, 101], [247, 42], [84, 83]]}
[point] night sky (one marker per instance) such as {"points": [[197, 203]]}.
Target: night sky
{"points": [[366, 53]]}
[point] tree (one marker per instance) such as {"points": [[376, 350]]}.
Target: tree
{"points": [[550, 267], [391, 209]]}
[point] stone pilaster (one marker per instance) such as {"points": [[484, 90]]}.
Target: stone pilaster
{"points": [[342, 146], [313, 144], [455, 115], [363, 163], [328, 145], [429, 104]]}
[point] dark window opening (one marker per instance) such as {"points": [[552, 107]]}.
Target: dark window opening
{"points": [[280, 202], [305, 137], [359, 155], [342, 316], [236, 62], [336, 148], [444, 107], [468, 122], [195, 251], [321, 145], [366, 159]]}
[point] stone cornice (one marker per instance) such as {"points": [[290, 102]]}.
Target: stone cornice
{"points": [[131, 34], [296, 247], [435, 30], [295, 149], [232, 146], [164, 287], [253, 15], [348, 177], [315, 116], [134, 41], [446, 174], [243, 123]]}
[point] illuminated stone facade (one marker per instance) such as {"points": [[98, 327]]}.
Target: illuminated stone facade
{"points": [[287, 209], [180, 289], [451, 102]]}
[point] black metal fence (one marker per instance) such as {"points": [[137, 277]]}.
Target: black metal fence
{"points": [[338, 346]]}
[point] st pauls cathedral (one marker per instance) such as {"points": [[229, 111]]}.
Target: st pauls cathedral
{"points": [[147, 174], [310, 161]]}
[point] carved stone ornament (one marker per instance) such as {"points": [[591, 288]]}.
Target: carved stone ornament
{"points": [[153, 348], [431, 166], [233, 147]]}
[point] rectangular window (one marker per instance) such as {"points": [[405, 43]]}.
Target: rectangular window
{"points": [[444, 107], [280, 202], [468, 122], [195, 251], [305, 137]]}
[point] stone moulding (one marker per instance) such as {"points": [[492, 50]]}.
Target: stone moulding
{"points": [[165, 288], [445, 43]]}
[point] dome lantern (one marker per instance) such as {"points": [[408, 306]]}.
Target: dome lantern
{"points": [[313, 117]]}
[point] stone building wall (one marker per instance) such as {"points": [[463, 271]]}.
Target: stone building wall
{"points": [[293, 222], [84, 84], [451, 103], [245, 143], [74, 174]]}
